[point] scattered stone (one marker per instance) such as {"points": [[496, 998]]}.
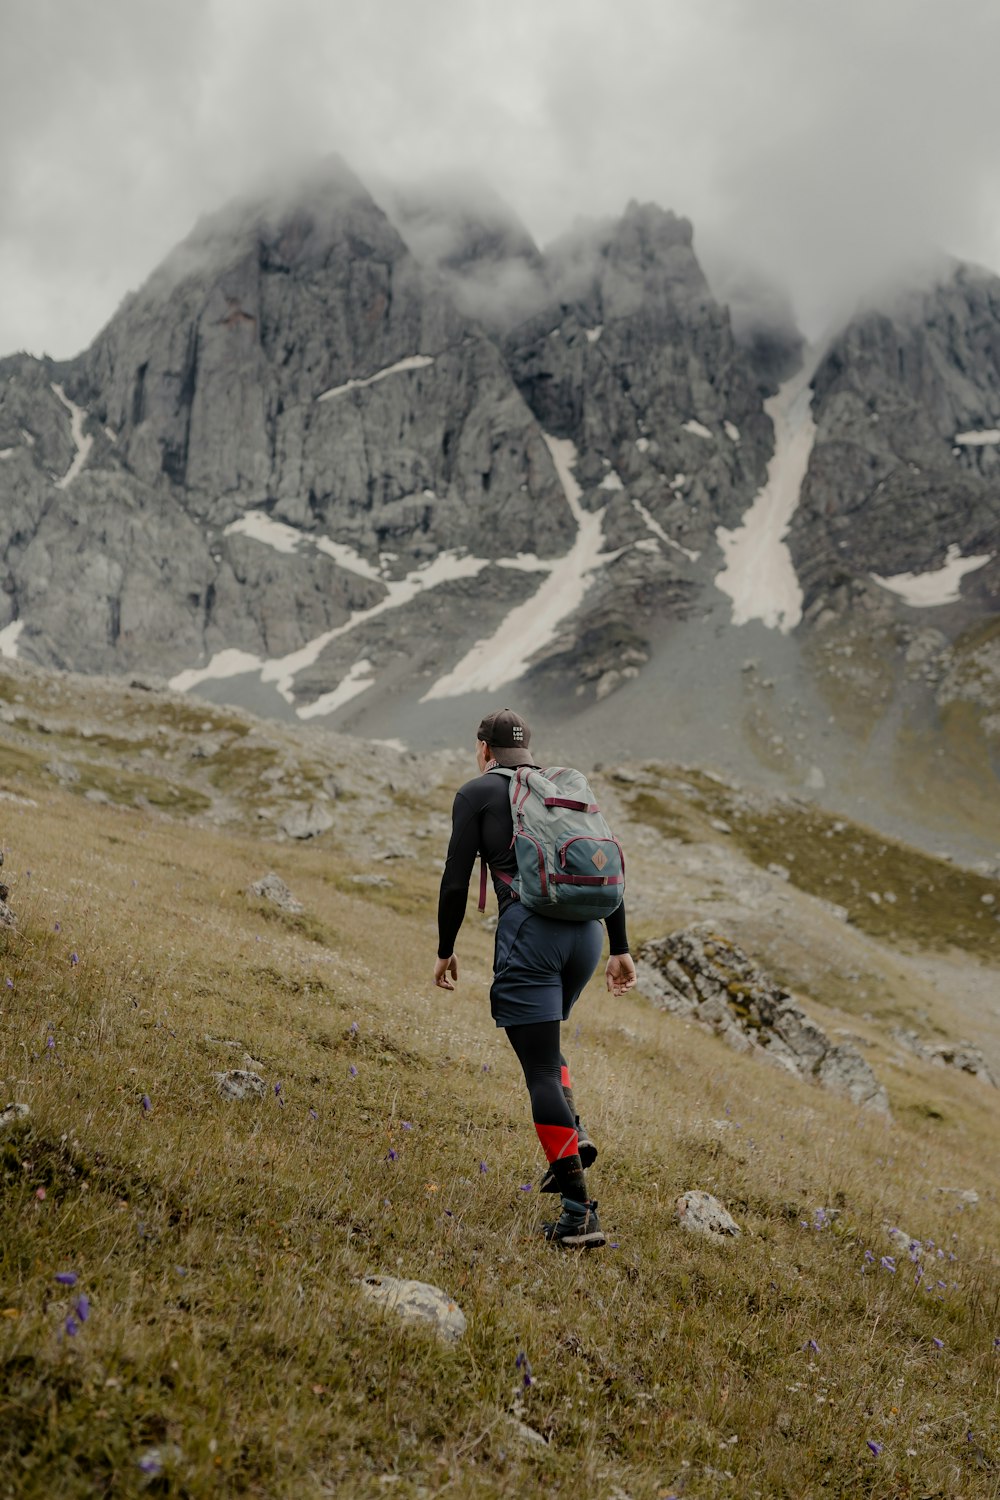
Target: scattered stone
{"points": [[305, 820], [522, 1430], [18, 801], [815, 780], [627, 778], [11, 1113], [964, 1195], [272, 888], [417, 1302], [94, 794], [370, 880], [7, 917], [701, 975], [240, 1083], [720, 825], [700, 1213], [782, 871], [962, 1055], [64, 771]]}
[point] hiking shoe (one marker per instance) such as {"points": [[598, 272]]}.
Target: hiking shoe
{"points": [[577, 1228], [588, 1155]]}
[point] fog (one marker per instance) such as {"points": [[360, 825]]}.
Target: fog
{"points": [[830, 147]]}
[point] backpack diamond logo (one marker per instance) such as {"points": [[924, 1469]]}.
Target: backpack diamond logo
{"points": [[599, 859]]}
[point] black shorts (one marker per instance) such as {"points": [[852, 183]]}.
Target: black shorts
{"points": [[540, 966]]}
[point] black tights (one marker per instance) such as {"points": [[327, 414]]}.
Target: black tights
{"points": [[545, 1072]]}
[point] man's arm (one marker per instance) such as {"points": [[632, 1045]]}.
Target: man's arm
{"points": [[462, 850], [620, 972]]}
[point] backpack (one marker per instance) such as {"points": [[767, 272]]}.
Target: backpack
{"points": [[569, 864]]}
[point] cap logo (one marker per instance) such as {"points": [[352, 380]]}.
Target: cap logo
{"points": [[599, 859], [517, 732]]}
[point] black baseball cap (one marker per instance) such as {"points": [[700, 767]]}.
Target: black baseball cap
{"points": [[508, 736]]}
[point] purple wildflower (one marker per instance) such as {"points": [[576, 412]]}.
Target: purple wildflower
{"points": [[313, 1115], [150, 1463], [82, 1308], [72, 1327], [353, 1071], [486, 1067], [74, 959], [277, 1089], [9, 983], [58, 927], [392, 1154], [869, 1257], [938, 1343], [888, 1264], [875, 1447], [66, 1278], [613, 1245], [811, 1344], [525, 1187], [522, 1363], [51, 1042], [406, 1124], [354, 1028], [147, 1103], [483, 1167], [943, 1284]]}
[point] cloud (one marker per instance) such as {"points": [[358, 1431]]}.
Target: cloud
{"points": [[823, 144]]}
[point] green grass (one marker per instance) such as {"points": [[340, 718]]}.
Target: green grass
{"points": [[923, 902], [221, 1245]]}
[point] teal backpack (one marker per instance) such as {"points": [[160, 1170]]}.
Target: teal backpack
{"points": [[569, 864]]}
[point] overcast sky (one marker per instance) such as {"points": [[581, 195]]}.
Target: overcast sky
{"points": [[826, 142]]}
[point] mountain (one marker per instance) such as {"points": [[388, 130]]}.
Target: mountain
{"points": [[370, 462]]}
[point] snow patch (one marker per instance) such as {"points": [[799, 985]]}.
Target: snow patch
{"points": [[411, 362], [8, 639], [593, 334], [924, 590], [732, 431], [83, 442], [698, 428], [759, 576], [986, 438], [258, 525], [360, 677], [611, 481], [526, 562], [505, 655], [657, 530], [447, 567]]}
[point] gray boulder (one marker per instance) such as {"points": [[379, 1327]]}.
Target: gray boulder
{"points": [[305, 820], [273, 889], [417, 1302], [699, 1213], [240, 1083], [700, 974]]}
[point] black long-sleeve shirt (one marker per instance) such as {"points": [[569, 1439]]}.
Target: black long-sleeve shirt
{"points": [[482, 823]]}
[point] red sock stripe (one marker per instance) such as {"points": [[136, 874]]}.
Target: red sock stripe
{"points": [[557, 1141], [567, 1082]]}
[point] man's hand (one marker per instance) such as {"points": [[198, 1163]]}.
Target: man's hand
{"points": [[620, 973], [445, 967]]}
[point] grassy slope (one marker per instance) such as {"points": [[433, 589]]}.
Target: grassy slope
{"points": [[220, 1244]]}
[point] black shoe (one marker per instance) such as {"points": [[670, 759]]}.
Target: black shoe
{"points": [[577, 1228], [588, 1155]]}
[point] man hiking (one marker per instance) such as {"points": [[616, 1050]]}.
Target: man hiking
{"points": [[541, 964]]}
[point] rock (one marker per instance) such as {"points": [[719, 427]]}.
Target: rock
{"points": [[12, 1113], [964, 1195], [815, 780], [64, 771], [382, 880], [697, 973], [239, 1083], [305, 820], [7, 917], [961, 1055], [272, 888], [94, 794], [417, 1302], [528, 1434], [700, 1213]]}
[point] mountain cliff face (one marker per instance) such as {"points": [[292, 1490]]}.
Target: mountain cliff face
{"points": [[363, 459]]}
